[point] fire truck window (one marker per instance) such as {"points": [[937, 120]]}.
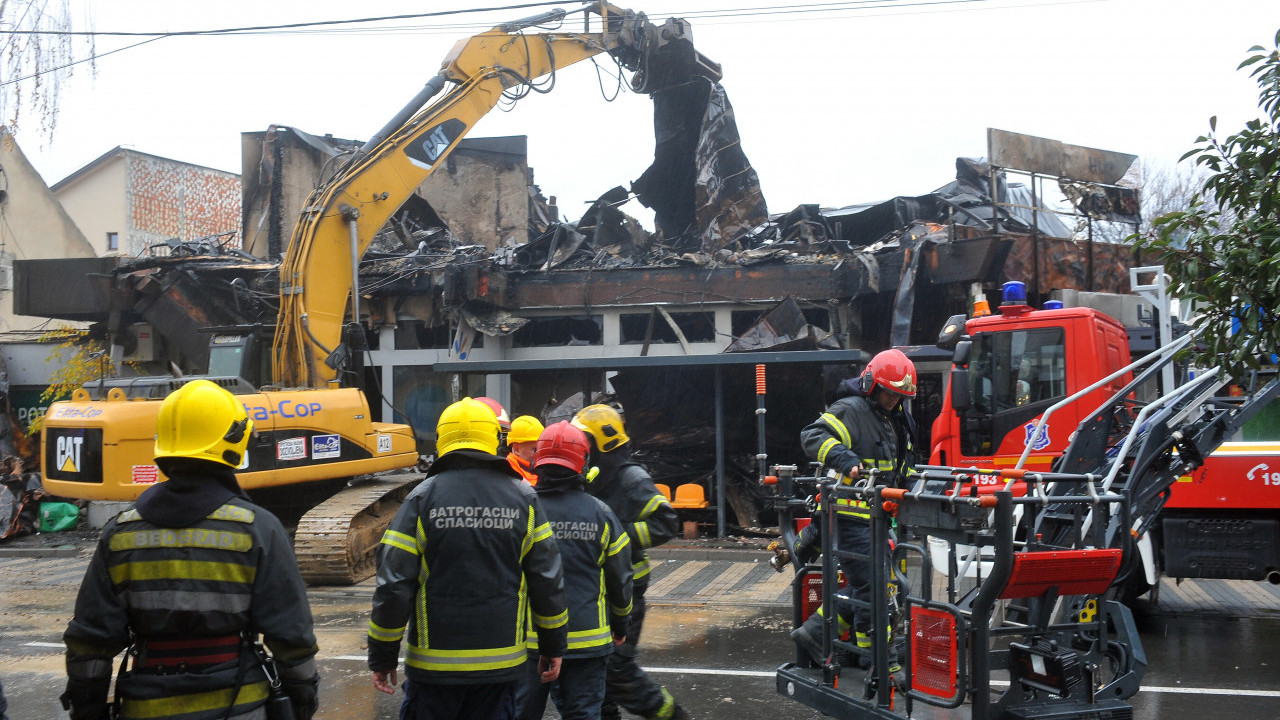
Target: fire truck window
{"points": [[1007, 372], [1021, 367]]}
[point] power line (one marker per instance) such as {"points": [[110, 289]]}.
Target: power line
{"points": [[73, 63], [288, 26], [750, 13], [334, 25]]}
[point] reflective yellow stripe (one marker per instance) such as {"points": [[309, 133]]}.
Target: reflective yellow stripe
{"points": [[464, 660], [420, 597], [668, 707], [650, 507], [401, 541], [841, 431], [192, 703], [527, 544], [385, 634], [548, 623], [826, 448], [182, 538], [619, 545], [579, 639], [640, 569], [852, 508], [542, 532], [183, 570], [841, 623], [232, 513], [642, 534]]}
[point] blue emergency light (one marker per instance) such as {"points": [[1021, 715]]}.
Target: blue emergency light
{"points": [[1014, 292], [1052, 304]]}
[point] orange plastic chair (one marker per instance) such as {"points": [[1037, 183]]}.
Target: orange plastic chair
{"points": [[690, 496], [665, 490]]}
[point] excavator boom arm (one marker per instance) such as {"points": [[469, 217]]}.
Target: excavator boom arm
{"points": [[343, 214]]}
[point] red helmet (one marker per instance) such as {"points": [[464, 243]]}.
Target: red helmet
{"points": [[892, 371], [504, 420], [562, 444]]}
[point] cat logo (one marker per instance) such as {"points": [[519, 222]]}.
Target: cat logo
{"points": [[67, 457]]}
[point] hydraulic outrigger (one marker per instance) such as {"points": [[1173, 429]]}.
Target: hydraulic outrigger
{"points": [[1025, 622]]}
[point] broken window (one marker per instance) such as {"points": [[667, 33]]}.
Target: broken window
{"points": [[653, 327], [560, 331], [417, 335], [742, 320]]}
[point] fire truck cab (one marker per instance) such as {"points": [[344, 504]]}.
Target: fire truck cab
{"points": [[1014, 365]]}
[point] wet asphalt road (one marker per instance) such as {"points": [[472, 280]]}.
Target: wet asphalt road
{"points": [[718, 660]]}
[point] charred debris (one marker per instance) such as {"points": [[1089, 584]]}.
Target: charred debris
{"points": [[859, 277]]}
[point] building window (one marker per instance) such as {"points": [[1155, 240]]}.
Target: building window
{"points": [[113, 241], [415, 335], [743, 320], [695, 326], [560, 331]]}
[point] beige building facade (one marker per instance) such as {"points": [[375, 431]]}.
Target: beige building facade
{"points": [[127, 202], [33, 225]]}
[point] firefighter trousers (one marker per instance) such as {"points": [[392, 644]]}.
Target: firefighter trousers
{"points": [[628, 686], [577, 693], [493, 701]]}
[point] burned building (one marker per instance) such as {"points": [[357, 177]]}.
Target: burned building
{"points": [[671, 322]]}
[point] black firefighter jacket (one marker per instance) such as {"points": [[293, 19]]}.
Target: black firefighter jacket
{"points": [[467, 556], [855, 432], [596, 554], [194, 561], [627, 488]]}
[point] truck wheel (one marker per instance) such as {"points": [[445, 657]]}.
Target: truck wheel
{"points": [[1134, 587]]}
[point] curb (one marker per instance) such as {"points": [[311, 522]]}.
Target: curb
{"points": [[664, 553], [60, 551]]}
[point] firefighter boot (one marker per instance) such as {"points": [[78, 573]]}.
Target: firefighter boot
{"points": [[809, 637]]}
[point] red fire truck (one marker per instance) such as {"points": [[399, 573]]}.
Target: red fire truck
{"points": [[1007, 406]]}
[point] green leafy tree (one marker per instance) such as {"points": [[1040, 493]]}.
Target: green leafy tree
{"points": [[1223, 251], [78, 358]]}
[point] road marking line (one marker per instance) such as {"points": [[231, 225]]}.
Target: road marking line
{"points": [[45, 644], [1000, 683]]}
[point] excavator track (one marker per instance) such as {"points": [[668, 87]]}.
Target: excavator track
{"points": [[336, 541]]}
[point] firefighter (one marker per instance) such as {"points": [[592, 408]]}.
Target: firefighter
{"points": [[523, 442], [596, 553], [627, 488], [467, 554], [186, 579], [867, 427]]}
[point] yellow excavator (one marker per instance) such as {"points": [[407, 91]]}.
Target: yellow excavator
{"points": [[312, 437]]}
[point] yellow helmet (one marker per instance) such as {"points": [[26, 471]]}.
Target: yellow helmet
{"points": [[467, 425], [604, 425], [525, 428], [201, 420]]}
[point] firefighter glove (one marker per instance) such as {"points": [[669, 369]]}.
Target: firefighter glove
{"points": [[305, 696]]}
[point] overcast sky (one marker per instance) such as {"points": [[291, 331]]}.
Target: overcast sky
{"points": [[860, 104]]}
